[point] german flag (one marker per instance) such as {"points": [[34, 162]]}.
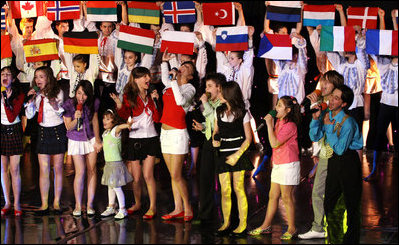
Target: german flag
{"points": [[40, 50], [81, 42]]}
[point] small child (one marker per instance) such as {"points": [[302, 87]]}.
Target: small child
{"points": [[115, 173]]}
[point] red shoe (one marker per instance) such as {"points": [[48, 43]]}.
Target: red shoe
{"points": [[188, 218], [131, 212], [5, 211], [149, 216], [176, 216], [18, 213]]}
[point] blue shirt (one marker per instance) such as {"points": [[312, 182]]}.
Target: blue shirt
{"points": [[350, 136]]}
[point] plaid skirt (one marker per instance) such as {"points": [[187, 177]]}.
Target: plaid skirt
{"points": [[11, 139], [52, 140]]}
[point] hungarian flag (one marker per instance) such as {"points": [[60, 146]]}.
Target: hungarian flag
{"points": [[314, 15], [81, 42], [285, 11], [5, 47], [232, 38], [337, 38], [101, 11], [26, 9], [362, 16], [63, 10], [143, 12], [275, 46], [216, 14], [40, 50], [136, 39], [178, 42], [382, 42], [179, 12]]}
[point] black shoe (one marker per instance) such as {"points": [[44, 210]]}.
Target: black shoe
{"points": [[58, 211], [42, 212], [239, 235], [225, 232]]}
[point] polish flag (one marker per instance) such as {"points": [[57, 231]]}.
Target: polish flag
{"points": [[26, 9], [363, 16], [216, 14], [178, 42]]}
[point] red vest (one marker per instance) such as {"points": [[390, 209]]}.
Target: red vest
{"points": [[173, 115]]}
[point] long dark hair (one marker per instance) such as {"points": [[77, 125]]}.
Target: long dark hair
{"points": [[295, 113], [231, 92], [131, 89], [51, 90], [15, 83], [195, 80], [87, 88]]}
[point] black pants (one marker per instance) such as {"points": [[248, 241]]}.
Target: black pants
{"points": [[358, 114], [344, 178], [207, 182], [386, 115]]}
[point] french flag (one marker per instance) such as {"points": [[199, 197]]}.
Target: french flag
{"points": [[275, 46], [382, 42], [178, 42], [232, 38]]}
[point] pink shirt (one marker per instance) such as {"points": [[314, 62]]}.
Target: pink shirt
{"points": [[287, 152]]}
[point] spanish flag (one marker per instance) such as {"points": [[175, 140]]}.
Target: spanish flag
{"points": [[81, 42], [40, 50]]}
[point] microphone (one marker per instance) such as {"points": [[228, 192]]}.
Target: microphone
{"points": [[28, 98], [171, 76], [199, 103], [151, 88], [4, 92], [323, 106], [306, 102], [79, 107], [272, 113]]}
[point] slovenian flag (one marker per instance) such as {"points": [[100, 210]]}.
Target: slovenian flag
{"points": [[178, 42], [136, 39], [382, 42], [275, 46], [40, 50], [314, 15], [285, 11], [232, 38], [337, 38], [101, 11], [143, 12]]}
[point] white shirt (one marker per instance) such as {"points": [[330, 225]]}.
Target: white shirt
{"points": [[51, 117], [143, 125]]}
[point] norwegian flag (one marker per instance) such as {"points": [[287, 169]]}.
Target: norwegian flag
{"points": [[26, 9], [63, 10], [179, 12], [365, 17]]}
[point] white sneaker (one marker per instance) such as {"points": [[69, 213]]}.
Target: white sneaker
{"points": [[312, 235], [90, 211], [108, 212], [121, 214]]}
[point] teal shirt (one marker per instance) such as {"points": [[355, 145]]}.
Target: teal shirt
{"points": [[209, 114], [112, 146]]}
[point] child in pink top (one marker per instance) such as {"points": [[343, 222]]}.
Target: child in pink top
{"points": [[286, 165]]}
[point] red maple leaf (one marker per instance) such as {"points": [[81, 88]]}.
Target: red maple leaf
{"points": [[28, 6]]}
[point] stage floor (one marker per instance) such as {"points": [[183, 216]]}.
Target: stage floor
{"points": [[379, 210]]}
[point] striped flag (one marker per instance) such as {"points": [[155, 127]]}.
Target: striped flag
{"points": [[26, 9], [63, 10], [337, 38], [179, 12], [285, 11], [275, 46], [3, 19], [81, 42], [178, 42], [363, 16], [101, 11], [143, 12], [314, 15], [382, 42], [232, 38], [40, 50], [136, 39], [5, 47]]}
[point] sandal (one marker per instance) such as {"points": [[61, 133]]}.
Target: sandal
{"points": [[259, 231], [288, 236]]}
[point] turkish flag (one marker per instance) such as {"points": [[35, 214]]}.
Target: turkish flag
{"points": [[217, 14], [26, 9]]}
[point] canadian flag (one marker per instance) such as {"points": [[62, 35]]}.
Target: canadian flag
{"points": [[216, 14], [26, 9]]}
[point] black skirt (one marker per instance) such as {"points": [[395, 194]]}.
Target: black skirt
{"points": [[242, 164], [52, 140], [139, 149], [11, 140]]}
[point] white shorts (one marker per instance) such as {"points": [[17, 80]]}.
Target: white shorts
{"points": [[174, 141], [286, 174], [81, 147]]}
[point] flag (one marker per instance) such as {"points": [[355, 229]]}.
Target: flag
{"points": [[179, 12], [5, 47], [3, 19], [382, 42], [40, 50], [81, 42], [337, 38], [143, 12], [285, 11], [314, 15], [63, 10], [178, 42], [136, 39], [275, 46], [26, 9], [101, 11], [363, 16], [219, 13], [232, 38]]}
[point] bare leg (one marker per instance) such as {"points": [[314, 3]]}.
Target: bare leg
{"points": [[274, 196], [176, 195], [44, 179], [176, 175], [286, 195], [16, 179], [91, 161], [5, 180], [148, 172], [58, 161], [136, 173], [79, 181]]}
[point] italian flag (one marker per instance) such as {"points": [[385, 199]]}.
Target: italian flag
{"points": [[337, 38], [101, 11], [136, 39], [143, 12]]}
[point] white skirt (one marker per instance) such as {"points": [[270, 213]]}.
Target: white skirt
{"points": [[81, 147], [174, 141], [286, 174]]}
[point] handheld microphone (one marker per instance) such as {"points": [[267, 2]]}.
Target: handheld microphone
{"points": [[4, 92], [323, 106], [306, 101], [28, 98], [199, 103], [171, 75], [79, 107], [272, 113], [151, 88]]}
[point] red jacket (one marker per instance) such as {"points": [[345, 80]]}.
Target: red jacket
{"points": [[126, 110]]}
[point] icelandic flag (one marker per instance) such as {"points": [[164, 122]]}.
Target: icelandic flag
{"points": [[3, 19], [232, 38], [179, 12], [382, 42], [286, 11], [275, 46], [314, 15]]}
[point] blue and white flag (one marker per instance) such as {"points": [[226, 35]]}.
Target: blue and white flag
{"points": [[232, 38], [314, 15], [179, 12], [285, 11], [3, 19]]}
